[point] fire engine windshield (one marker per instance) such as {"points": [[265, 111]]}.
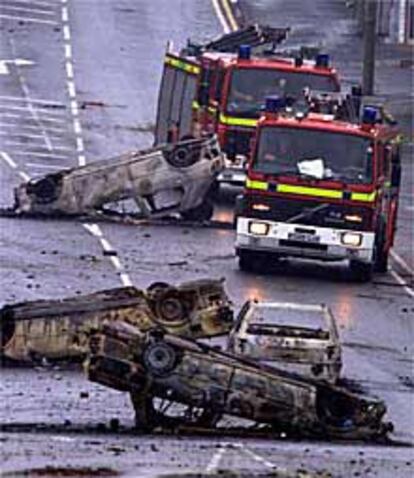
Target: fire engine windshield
{"points": [[249, 88], [314, 153]]}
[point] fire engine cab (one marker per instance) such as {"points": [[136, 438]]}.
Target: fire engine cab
{"points": [[322, 183], [220, 88]]}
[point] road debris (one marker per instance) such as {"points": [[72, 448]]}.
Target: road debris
{"points": [[153, 183]]}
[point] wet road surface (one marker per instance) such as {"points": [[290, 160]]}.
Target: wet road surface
{"points": [[82, 86]]}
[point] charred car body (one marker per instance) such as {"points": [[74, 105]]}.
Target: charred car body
{"points": [[58, 329], [161, 180], [177, 370], [302, 338]]}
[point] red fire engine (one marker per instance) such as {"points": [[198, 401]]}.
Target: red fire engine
{"points": [[213, 89], [321, 184]]}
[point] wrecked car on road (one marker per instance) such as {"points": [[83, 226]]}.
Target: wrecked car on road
{"points": [[154, 365], [302, 338], [58, 329], [167, 179]]}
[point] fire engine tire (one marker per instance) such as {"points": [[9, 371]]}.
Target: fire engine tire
{"points": [[203, 212], [381, 254], [160, 358], [182, 156], [362, 271], [247, 261], [170, 308]]}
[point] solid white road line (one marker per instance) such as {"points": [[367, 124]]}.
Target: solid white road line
{"points": [[32, 100], [403, 283], [31, 127], [24, 176], [45, 166], [215, 459], [35, 11], [6, 157], [35, 3], [401, 262], [230, 17], [41, 155], [30, 118], [27, 19]]}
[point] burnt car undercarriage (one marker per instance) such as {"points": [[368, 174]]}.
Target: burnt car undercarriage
{"points": [[208, 384]]}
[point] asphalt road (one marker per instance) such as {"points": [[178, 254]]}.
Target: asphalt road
{"points": [[80, 84]]}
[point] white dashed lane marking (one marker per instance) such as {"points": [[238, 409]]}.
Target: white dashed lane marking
{"points": [[93, 229]]}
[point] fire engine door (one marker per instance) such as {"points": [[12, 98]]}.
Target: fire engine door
{"points": [[175, 100]]}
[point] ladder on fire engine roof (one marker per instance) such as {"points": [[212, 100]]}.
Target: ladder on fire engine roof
{"points": [[254, 35]]}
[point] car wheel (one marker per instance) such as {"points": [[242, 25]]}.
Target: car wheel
{"points": [[203, 212], [182, 156], [160, 358], [169, 307]]}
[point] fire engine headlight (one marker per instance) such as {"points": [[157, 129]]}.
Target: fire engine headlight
{"points": [[353, 239], [258, 228]]}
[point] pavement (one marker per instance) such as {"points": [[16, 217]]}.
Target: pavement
{"points": [[87, 90]]}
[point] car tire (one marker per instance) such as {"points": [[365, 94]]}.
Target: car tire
{"points": [[203, 212], [169, 307], [160, 358], [182, 156]]}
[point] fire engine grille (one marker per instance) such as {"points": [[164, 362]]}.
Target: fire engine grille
{"points": [[300, 212]]}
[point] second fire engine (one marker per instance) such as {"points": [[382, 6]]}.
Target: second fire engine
{"points": [[323, 183]]}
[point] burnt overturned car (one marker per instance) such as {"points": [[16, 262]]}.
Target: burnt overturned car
{"points": [[207, 384], [58, 329], [159, 181]]}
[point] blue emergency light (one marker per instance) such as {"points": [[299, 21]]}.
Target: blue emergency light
{"points": [[322, 60], [245, 52], [369, 115], [274, 104]]}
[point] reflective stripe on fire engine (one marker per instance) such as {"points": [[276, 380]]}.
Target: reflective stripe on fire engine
{"points": [[306, 191], [366, 197], [196, 106], [234, 121], [182, 65]]}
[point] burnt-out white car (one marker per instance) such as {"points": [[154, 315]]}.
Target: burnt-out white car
{"points": [[174, 178], [301, 338]]}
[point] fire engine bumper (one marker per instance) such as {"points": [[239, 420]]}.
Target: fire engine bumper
{"points": [[285, 239]]}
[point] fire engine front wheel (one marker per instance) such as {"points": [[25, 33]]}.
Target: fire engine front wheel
{"points": [[362, 271]]}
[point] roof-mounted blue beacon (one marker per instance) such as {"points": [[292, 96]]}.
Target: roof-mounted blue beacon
{"points": [[274, 104], [245, 52], [370, 115], [322, 60]]}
